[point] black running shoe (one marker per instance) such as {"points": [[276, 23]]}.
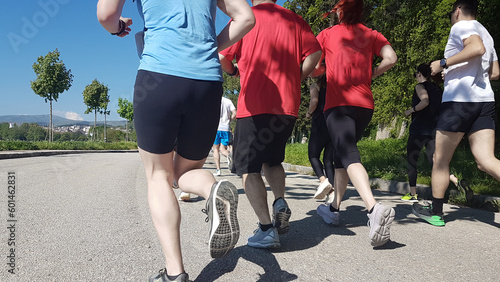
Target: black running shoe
{"points": [[161, 276], [281, 216], [464, 185]]}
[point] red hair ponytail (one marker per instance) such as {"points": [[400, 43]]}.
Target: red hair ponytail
{"points": [[350, 11]]}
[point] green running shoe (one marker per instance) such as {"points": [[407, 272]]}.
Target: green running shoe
{"points": [[410, 198], [426, 213]]}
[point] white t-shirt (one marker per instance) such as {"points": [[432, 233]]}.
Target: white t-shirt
{"points": [[469, 81], [226, 108]]}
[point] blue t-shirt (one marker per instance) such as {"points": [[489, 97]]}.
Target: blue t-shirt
{"points": [[180, 39]]}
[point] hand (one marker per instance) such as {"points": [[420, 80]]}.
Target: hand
{"points": [[436, 67], [308, 115], [408, 112], [128, 22]]}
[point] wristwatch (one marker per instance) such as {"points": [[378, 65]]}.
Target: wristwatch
{"points": [[443, 63]]}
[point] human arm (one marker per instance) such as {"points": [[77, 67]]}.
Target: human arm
{"points": [[424, 100], [109, 16], [309, 64], [233, 114], [313, 103], [242, 21], [494, 71], [228, 66], [318, 70], [389, 59], [473, 48]]}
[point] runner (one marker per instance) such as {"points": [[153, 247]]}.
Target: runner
{"points": [[272, 59], [349, 48], [177, 101], [468, 103]]}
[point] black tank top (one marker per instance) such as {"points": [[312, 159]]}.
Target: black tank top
{"points": [[424, 122], [318, 112]]}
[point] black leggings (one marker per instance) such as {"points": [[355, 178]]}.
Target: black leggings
{"points": [[413, 147], [319, 140], [346, 125]]}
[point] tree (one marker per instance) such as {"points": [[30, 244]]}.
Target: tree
{"points": [[126, 111], [231, 87], [104, 107], [52, 79], [94, 96]]}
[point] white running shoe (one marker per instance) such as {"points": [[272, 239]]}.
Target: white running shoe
{"points": [[379, 222], [323, 189], [327, 215], [185, 197], [330, 197]]}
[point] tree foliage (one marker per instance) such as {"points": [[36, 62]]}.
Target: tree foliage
{"points": [[126, 111], [24, 132], [95, 96], [52, 79], [418, 32]]}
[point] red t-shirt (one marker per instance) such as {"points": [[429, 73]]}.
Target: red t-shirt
{"points": [[348, 51], [269, 59]]}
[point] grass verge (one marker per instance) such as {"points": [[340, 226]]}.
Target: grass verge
{"points": [[386, 159]]}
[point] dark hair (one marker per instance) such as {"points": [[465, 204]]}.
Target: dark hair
{"points": [[468, 7], [425, 70], [350, 11]]}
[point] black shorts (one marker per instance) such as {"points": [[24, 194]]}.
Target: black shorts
{"points": [[171, 110], [260, 139], [467, 117]]}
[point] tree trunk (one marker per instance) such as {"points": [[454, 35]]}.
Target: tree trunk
{"points": [[95, 121], [126, 130], [51, 127], [105, 136]]}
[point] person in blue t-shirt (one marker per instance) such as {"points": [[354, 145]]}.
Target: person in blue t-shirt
{"points": [[177, 96]]}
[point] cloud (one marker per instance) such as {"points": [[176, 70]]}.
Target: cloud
{"points": [[72, 116]]}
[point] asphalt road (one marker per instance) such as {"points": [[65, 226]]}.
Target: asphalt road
{"points": [[84, 217]]}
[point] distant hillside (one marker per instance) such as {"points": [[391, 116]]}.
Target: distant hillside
{"points": [[43, 120]]}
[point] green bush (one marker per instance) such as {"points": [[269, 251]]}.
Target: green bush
{"points": [[65, 145]]}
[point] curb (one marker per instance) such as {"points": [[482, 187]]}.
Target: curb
{"points": [[43, 153]]}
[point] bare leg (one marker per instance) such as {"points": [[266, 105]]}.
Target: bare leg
{"points": [[192, 178], [275, 176], [413, 190], [359, 178], [341, 180], [216, 156], [164, 207], [454, 179], [255, 190], [223, 150], [446, 143], [482, 145]]}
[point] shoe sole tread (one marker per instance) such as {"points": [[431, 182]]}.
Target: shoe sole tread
{"points": [[227, 232], [382, 232]]}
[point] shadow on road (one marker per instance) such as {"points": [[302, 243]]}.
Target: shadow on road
{"points": [[263, 258]]}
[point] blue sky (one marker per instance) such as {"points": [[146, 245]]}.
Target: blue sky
{"points": [[32, 28]]}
